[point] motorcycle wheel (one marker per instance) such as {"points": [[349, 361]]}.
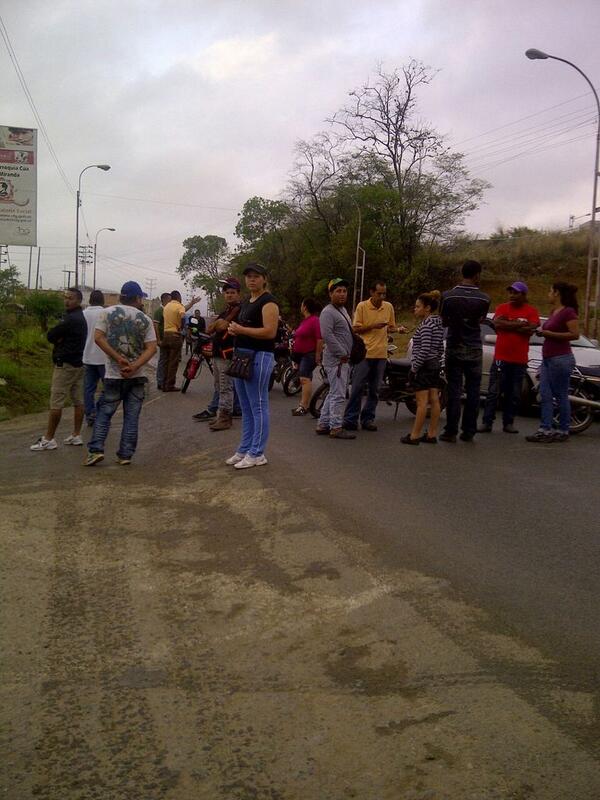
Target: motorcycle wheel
{"points": [[317, 400], [581, 416], [272, 380], [291, 382]]}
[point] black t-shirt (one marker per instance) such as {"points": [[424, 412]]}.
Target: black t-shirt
{"points": [[250, 316], [68, 338], [462, 310]]}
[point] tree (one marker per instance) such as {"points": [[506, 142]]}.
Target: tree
{"points": [[9, 284], [44, 306], [433, 187], [260, 218], [203, 263]]}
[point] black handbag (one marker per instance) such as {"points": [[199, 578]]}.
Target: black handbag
{"points": [[241, 366], [359, 348]]}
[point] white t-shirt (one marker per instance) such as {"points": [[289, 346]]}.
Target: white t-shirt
{"points": [[127, 329], [92, 353]]}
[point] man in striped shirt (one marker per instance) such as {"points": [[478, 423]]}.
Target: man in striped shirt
{"points": [[463, 308]]}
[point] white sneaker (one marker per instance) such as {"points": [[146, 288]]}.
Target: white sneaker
{"points": [[251, 461], [44, 444], [235, 458], [76, 441]]}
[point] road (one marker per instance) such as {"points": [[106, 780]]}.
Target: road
{"points": [[357, 619]]}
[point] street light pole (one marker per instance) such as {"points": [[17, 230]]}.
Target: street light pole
{"points": [[358, 267], [533, 54], [91, 166], [96, 247]]}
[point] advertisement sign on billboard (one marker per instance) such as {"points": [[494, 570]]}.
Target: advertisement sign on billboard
{"points": [[18, 185]]}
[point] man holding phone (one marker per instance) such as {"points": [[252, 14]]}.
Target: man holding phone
{"points": [[374, 319]]}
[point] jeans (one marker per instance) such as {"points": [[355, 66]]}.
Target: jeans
{"points": [[223, 385], [92, 375], [161, 369], [463, 363], [332, 412], [254, 400], [370, 372], [506, 379], [129, 391], [554, 385]]}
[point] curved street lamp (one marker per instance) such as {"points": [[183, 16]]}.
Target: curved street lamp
{"points": [[95, 248], [104, 167], [535, 54]]}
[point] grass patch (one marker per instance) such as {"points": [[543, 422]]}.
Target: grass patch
{"points": [[25, 372]]}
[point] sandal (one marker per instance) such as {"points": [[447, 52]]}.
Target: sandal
{"points": [[300, 411], [408, 440]]}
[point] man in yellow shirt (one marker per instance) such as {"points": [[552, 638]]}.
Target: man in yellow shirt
{"points": [[173, 314], [374, 319]]}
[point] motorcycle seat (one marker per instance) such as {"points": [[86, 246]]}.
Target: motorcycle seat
{"points": [[400, 363]]}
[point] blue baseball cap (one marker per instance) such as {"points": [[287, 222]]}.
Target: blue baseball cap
{"points": [[132, 289], [519, 286]]}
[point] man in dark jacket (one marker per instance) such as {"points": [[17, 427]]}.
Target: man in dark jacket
{"points": [[68, 338], [462, 310]]}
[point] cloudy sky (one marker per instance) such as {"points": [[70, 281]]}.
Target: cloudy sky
{"points": [[196, 106]]}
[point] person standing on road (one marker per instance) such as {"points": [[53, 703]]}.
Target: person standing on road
{"points": [[127, 337], [93, 357], [462, 310], [254, 330], [374, 319], [222, 353], [306, 352], [159, 330], [515, 322], [558, 362], [336, 330], [173, 314], [68, 338], [425, 366]]}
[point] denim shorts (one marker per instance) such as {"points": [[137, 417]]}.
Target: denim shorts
{"points": [[306, 364]]}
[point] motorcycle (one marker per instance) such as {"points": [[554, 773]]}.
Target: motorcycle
{"points": [[201, 354], [584, 395], [284, 365], [395, 387]]}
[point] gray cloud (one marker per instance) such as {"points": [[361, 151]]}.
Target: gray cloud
{"points": [[200, 103]]}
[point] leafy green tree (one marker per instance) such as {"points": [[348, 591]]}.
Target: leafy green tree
{"points": [[9, 284], [202, 264], [259, 218], [44, 306]]}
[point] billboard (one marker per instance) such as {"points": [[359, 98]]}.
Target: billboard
{"points": [[18, 185]]}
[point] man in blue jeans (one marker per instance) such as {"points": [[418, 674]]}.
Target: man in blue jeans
{"points": [[374, 319], [127, 337], [93, 357], [462, 310]]}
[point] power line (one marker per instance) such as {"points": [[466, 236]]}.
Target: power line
{"points": [[533, 151], [32, 105], [522, 119], [160, 202]]}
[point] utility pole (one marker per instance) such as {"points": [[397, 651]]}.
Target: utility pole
{"points": [[29, 273], [150, 287], [86, 256], [67, 280], [37, 274]]}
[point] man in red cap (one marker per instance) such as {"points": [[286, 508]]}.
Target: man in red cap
{"points": [[515, 322]]}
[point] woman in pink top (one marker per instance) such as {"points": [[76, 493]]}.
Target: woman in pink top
{"points": [[307, 351], [559, 330]]}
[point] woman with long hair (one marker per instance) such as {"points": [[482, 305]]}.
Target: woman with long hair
{"points": [[254, 330], [559, 330], [426, 363], [306, 352]]}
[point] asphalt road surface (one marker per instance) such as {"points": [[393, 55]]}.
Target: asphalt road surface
{"points": [[355, 620]]}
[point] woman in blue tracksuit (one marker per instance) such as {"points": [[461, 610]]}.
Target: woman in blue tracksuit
{"points": [[255, 330]]}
